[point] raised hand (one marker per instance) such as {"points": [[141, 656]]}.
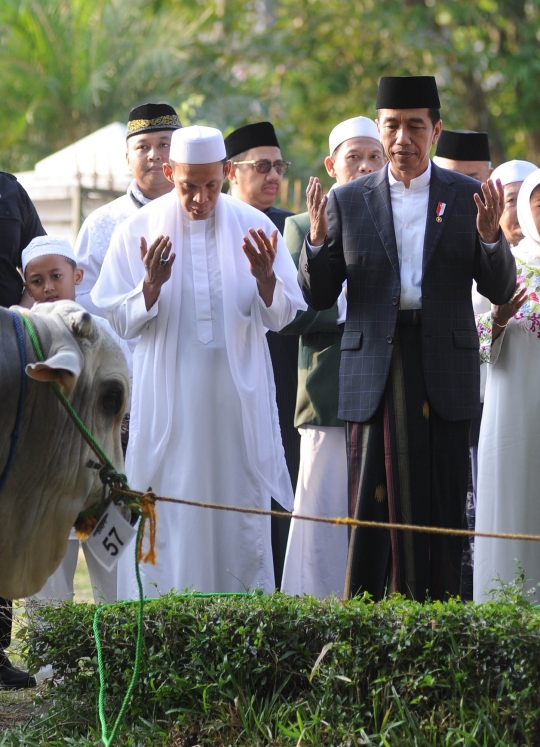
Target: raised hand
{"points": [[316, 205], [501, 315], [158, 260], [261, 255], [490, 211]]}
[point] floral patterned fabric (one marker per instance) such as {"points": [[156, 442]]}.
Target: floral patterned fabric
{"points": [[528, 316]]}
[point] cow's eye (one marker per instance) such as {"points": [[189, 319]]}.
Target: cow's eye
{"points": [[112, 400]]}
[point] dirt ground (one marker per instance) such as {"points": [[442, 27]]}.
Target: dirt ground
{"points": [[18, 706]]}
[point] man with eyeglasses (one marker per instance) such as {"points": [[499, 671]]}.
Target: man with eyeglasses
{"points": [[256, 170]]}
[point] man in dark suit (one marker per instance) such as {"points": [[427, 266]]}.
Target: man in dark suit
{"points": [[409, 239]]}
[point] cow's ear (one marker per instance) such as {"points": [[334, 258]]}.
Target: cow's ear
{"points": [[64, 367], [82, 325]]}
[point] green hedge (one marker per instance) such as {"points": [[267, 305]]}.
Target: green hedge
{"points": [[249, 671]]}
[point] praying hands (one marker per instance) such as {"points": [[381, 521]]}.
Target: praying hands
{"points": [[261, 256], [158, 260]]}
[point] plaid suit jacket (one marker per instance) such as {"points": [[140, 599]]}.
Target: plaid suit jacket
{"points": [[361, 247]]}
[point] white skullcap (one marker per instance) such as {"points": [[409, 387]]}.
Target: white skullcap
{"points": [[42, 245], [513, 171], [355, 127], [197, 144]]}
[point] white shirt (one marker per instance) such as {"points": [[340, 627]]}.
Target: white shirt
{"points": [[94, 239], [409, 209]]}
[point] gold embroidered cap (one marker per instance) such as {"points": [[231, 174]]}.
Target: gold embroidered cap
{"points": [[152, 117]]}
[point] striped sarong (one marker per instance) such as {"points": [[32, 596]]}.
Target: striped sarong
{"points": [[406, 465]]}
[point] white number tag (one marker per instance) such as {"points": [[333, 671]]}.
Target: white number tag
{"points": [[110, 538]]}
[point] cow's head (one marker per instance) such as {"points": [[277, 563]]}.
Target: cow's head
{"points": [[50, 482]]}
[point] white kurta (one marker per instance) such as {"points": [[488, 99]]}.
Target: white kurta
{"points": [[204, 422], [316, 557], [508, 465], [95, 236]]}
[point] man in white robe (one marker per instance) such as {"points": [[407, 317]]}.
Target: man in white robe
{"points": [[204, 424]]}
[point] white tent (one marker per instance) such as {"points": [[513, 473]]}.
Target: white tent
{"points": [[66, 186]]}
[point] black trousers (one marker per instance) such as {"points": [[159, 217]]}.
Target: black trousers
{"points": [[406, 465], [6, 616]]}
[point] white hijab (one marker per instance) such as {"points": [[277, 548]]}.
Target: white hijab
{"points": [[528, 248]]}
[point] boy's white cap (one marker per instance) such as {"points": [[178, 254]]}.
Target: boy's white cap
{"points": [[196, 145], [42, 245], [513, 171], [355, 127]]}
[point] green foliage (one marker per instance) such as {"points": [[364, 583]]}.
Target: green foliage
{"points": [[280, 670], [70, 66]]}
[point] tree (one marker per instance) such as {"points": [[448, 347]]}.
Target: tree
{"points": [[71, 66]]}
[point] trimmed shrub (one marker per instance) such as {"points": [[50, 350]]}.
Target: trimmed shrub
{"points": [[280, 670]]}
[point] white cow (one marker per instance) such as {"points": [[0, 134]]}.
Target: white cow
{"points": [[49, 483]]}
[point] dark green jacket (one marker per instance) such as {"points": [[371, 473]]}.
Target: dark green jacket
{"points": [[319, 349]]}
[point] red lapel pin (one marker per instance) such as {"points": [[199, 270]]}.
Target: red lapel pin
{"points": [[441, 207]]}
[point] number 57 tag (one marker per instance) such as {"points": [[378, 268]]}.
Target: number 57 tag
{"points": [[110, 538]]}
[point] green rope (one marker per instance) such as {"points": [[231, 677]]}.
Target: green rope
{"points": [[107, 741], [89, 438]]}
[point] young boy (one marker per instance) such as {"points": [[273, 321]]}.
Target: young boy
{"points": [[51, 274], [50, 270]]}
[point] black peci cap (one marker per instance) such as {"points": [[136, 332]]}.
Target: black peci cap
{"points": [[463, 145], [408, 92], [152, 117], [250, 136]]}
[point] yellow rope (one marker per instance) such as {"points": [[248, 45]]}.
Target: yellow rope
{"points": [[322, 519], [147, 505]]}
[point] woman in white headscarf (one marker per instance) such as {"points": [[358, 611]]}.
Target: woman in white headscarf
{"points": [[508, 458]]}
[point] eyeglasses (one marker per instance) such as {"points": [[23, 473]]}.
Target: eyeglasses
{"points": [[264, 166]]}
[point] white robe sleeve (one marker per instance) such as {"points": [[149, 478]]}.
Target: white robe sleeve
{"points": [[287, 298], [89, 254], [118, 290], [281, 312]]}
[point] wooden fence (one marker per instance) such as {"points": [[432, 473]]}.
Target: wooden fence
{"points": [[292, 196]]}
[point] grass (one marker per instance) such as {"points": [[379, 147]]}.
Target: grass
{"points": [[83, 589], [17, 706], [277, 671]]}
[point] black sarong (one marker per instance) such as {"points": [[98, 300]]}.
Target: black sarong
{"points": [[406, 465]]}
